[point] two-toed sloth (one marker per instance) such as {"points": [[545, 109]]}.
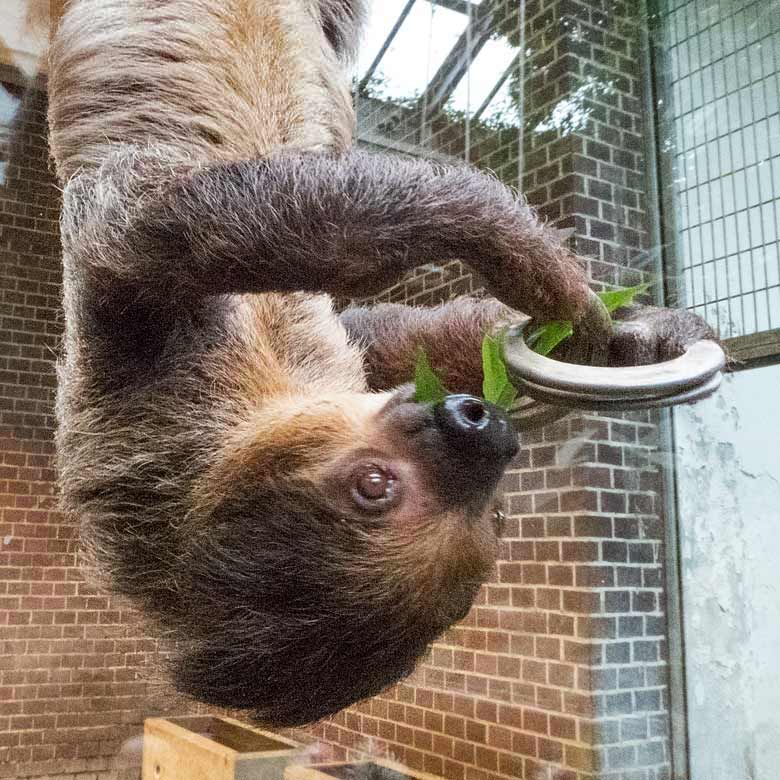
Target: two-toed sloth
{"points": [[243, 463]]}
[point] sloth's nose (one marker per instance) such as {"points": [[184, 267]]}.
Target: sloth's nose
{"points": [[476, 430]]}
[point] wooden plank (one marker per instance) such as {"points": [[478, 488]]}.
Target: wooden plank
{"points": [[754, 350], [213, 748], [172, 752]]}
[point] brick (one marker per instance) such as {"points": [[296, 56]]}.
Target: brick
{"points": [[454, 770], [621, 757], [579, 551], [581, 758], [487, 711], [615, 552], [581, 601], [593, 526], [655, 626], [548, 598], [651, 753], [550, 699], [433, 764], [477, 686], [533, 574], [579, 500], [498, 641], [642, 552], [632, 729], [594, 576], [509, 666], [433, 721], [612, 501], [561, 624], [454, 726], [533, 527], [596, 627], [533, 622], [558, 526], [561, 575], [628, 577], [609, 453], [547, 551], [535, 721], [534, 671], [647, 701], [643, 601], [618, 601], [629, 626]]}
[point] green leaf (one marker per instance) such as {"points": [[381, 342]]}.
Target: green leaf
{"points": [[428, 388], [615, 299], [546, 338], [496, 386]]}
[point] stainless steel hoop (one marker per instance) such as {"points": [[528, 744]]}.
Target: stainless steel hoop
{"points": [[550, 389]]}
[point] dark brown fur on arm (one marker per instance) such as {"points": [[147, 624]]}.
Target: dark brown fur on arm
{"points": [[348, 224], [451, 336]]}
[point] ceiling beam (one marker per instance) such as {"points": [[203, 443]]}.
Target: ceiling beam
{"points": [[457, 62]]}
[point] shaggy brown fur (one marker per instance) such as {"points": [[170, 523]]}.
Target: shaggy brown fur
{"points": [[217, 421]]}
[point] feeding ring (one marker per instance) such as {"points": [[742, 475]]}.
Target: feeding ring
{"points": [[550, 388]]}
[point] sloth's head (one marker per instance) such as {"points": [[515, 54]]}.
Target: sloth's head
{"points": [[342, 536]]}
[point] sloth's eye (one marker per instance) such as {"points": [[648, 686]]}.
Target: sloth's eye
{"points": [[374, 488]]}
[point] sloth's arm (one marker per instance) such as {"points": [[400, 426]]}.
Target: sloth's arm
{"points": [[348, 225], [451, 335]]}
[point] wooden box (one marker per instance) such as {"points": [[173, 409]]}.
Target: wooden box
{"points": [[203, 747], [375, 769]]}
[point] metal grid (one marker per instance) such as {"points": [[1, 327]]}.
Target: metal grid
{"points": [[723, 58], [463, 102]]}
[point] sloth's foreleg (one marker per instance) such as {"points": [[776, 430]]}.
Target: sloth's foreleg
{"points": [[347, 225], [451, 334]]}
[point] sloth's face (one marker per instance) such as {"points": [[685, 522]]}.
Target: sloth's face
{"points": [[350, 533]]}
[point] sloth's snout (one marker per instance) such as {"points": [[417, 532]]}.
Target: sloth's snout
{"points": [[476, 430], [462, 443]]}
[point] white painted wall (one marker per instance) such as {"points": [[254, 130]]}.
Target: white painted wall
{"points": [[728, 461]]}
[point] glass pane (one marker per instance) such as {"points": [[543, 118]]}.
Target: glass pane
{"points": [[629, 629], [503, 108], [429, 28], [383, 17], [489, 65]]}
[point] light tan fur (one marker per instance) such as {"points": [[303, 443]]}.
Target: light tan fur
{"points": [[249, 78]]}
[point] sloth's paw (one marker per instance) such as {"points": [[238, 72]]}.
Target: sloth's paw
{"points": [[647, 334]]}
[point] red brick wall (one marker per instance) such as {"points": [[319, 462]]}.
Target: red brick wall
{"points": [[74, 665]]}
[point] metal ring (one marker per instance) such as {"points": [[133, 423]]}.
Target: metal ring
{"points": [[527, 413], [567, 386], [561, 398]]}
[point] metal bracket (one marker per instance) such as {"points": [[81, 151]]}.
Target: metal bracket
{"points": [[551, 389]]}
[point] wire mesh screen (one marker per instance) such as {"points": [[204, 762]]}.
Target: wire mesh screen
{"points": [[441, 79], [723, 58]]}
